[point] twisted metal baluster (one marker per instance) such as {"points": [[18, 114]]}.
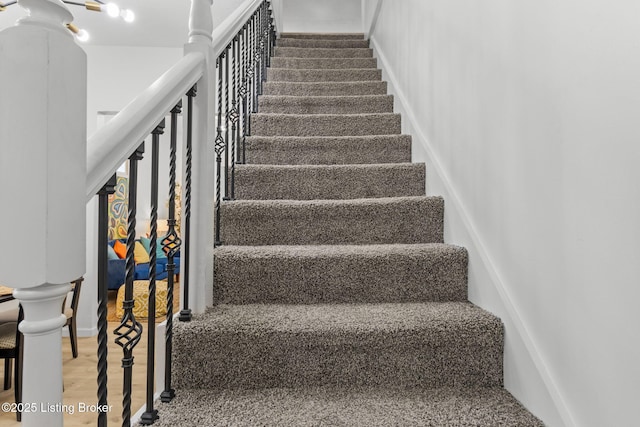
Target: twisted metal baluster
{"points": [[260, 51], [219, 148], [256, 60], [185, 313], [171, 245], [227, 181], [243, 92], [103, 232], [272, 37], [248, 73], [233, 116], [268, 36], [130, 330], [150, 414], [265, 19]]}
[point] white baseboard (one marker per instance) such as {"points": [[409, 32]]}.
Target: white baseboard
{"points": [[454, 202]]}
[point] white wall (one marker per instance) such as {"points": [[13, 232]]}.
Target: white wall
{"points": [[527, 114], [327, 16]]}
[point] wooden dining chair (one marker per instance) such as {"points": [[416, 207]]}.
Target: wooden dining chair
{"points": [[70, 313], [11, 349]]}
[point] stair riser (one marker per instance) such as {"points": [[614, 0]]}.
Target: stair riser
{"points": [[323, 63], [326, 36], [325, 89], [325, 125], [322, 43], [296, 52], [326, 105], [414, 276], [307, 183], [333, 223], [310, 151], [343, 358], [345, 75]]}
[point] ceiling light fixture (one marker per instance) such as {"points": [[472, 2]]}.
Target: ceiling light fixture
{"points": [[111, 9]]}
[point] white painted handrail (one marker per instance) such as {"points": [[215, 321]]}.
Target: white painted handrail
{"points": [[112, 144], [225, 32]]}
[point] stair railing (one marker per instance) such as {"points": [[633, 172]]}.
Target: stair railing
{"points": [[66, 185], [190, 76], [241, 72], [122, 139]]}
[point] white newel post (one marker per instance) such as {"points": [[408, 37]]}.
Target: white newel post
{"points": [[203, 175], [43, 172]]}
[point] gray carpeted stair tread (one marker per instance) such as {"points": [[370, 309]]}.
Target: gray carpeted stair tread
{"points": [[346, 407], [327, 36], [333, 222], [321, 150], [325, 104], [305, 182], [326, 75], [429, 344], [340, 274], [323, 63], [322, 43], [299, 52], [325, 88], [325, 124]]}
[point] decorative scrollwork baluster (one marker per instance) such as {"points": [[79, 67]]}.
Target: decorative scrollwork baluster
{"points": [[129, 332], [233, 114], [219, 148]]}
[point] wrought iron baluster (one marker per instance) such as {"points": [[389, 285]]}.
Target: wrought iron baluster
{"points": [[233, 115], [244, 92], [151, 414], [171, 245], [272, 38], [268, 36], [265, 19], [240, 98], [129, 331], [260, 53], [185, 313], [256, 59], [103, 231], [227, 190], [219, 148]]}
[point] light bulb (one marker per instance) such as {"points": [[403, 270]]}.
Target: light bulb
{"points": [[113, 10], [82, 35], [128, 15]]}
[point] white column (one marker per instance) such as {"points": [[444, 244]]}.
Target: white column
{"points": [[42, 369], [43, 171], [202, 190]]}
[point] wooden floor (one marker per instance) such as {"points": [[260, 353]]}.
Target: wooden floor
{"points": [[80, 380]]}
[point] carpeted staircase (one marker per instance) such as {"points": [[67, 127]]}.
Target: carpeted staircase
{"points": [[337, 302]]}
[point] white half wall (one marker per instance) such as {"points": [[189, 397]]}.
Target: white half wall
{"points": [[526, 114], [327, 16]]}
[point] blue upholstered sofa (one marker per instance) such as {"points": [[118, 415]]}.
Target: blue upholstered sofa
{"points": [[116, 269]]}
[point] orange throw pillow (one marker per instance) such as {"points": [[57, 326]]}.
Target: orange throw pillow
{"points": [[120, 249]]}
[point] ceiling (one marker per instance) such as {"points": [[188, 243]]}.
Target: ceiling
{"points": [[161, 23]]}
